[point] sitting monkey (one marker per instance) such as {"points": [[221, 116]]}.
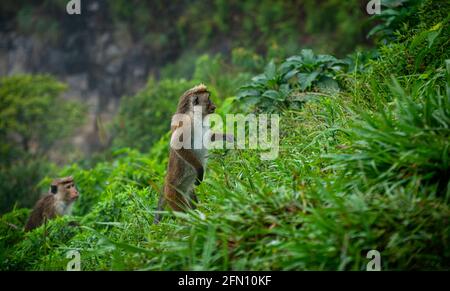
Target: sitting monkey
{"points": [[57, 203]]}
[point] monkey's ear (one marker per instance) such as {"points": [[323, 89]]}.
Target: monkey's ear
{"points": [[53, 189], [195, 100]]}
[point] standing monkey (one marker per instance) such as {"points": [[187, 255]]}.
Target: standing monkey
{"points": [[187, 164], [57, 203]]}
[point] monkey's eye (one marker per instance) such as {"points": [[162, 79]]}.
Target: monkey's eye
{"points": [[196, 100]]}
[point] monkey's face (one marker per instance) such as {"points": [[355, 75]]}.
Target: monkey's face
{"points": [[71, 192], [205, 102]]}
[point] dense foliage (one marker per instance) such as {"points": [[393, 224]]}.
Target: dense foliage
{"points": [[34, 119], [282, 88], [169, 27], [139, 122], [363, 165]]}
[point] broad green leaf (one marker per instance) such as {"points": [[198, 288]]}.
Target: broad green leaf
{"points": [[272, 94], [270, 70], [308, 56], [305, 80], [328, 85]]}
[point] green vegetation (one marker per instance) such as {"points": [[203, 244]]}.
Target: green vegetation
{"points": [[145, 117], [363, 165], [33, 122], [272, 91], [169, 28], [139, 121]]}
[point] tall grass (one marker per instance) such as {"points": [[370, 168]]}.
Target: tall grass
{"points": [[365, 168], [345, 183]]}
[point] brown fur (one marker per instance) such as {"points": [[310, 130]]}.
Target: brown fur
{"points": [[186, 166], [43, 210], [53, 204], [184, 104]]}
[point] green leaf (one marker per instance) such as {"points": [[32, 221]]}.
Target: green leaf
{"points": [[305, 80], [432, 36], [325, 59], [308, 56], [247, 93], [270, 70], [290, 74], [329, 85], [272, 94]]}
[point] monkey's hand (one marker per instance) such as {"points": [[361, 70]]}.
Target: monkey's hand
{"points": [[200, 173]]}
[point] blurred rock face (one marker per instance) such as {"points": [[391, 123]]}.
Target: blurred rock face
{"points": [[86, 53], [98, 63]]}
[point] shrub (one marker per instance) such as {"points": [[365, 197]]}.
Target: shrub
{"points": [[220, 78], [395, 15], [311, 71], [273, 89]]}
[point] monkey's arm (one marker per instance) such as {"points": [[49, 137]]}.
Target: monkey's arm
{"points": [[191, 159], [221, 136]]}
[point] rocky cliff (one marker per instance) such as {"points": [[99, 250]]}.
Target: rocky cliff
{"points": [[99, 62]]}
